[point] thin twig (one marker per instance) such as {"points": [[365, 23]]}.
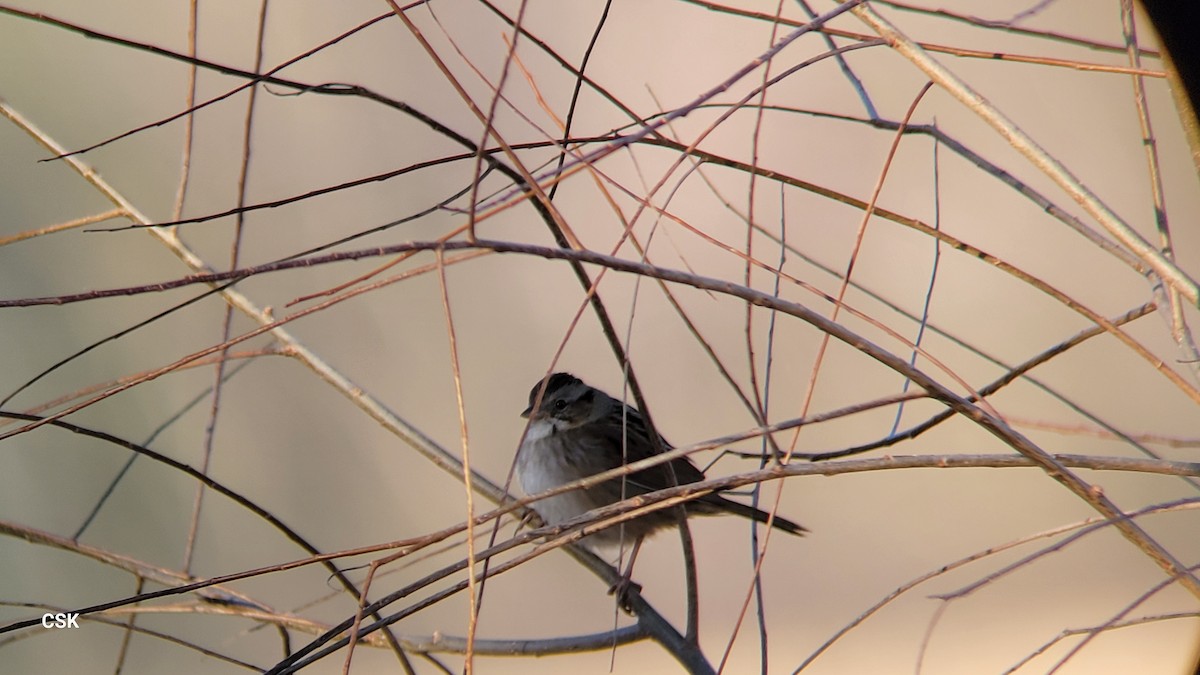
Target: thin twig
{"points": [[62, 227]]}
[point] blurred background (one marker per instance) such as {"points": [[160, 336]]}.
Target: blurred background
{"points": [[84, 525]]}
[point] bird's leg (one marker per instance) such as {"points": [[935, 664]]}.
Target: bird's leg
{"points": [[526, 520], [621, 588]]}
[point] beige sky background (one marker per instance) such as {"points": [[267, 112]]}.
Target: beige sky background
{"points": [[302, 450]]}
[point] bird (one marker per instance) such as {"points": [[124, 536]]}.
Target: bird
{"points": [[576, 431]]}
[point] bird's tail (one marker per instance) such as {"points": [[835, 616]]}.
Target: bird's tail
{"points": [[746, 511]]}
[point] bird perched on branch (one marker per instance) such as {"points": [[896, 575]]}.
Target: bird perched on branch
{"points": [[576, 431]]}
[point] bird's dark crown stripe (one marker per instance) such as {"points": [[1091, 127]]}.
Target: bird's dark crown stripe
{"points": [[560, 380], [553, 383]]}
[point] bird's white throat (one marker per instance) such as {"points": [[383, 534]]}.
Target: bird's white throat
{"points": [[539, 429]]}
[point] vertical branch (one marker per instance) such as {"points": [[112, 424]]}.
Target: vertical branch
{"points": [[563, 234], [1171, 307], [923, 321], [760, 606], [759, 394], [845, 285], [189, 122], [488, 131], [353, 633], [452, 336], [210, 429], [127, 634], [819, 358], [578, 86]]}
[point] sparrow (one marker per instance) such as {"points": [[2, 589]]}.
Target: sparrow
{"points": [[576, 431]]}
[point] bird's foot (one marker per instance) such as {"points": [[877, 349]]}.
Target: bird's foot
{"points": [[622, 590]]}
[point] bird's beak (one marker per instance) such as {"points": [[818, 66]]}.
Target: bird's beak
{"points": [[526, 412]]}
